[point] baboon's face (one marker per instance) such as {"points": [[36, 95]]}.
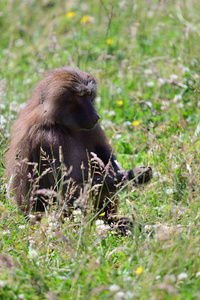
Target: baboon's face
{"points": [[70, 97]]}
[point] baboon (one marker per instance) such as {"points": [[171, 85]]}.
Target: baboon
{"points": [[57, 146]]}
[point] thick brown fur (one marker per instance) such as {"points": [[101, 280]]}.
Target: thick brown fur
{"points": [[57, 144]]}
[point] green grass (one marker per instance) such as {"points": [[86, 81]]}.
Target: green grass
{"points": [[149, 40]]}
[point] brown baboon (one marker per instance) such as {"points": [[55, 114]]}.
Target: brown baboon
{"points": [[57, 145]]}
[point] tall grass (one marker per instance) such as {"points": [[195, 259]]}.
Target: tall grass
{"points": [[145, 56]]}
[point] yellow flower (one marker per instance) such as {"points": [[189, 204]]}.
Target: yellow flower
{"points": [[102, 214], [110, 42], [139, 270], [70, 14], [119, 102], [48, 250], [135, 123], [87, 19]]}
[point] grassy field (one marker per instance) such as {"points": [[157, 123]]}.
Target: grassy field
{"points": [[145, 56]]}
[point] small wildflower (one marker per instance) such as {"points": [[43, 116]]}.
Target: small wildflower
{"points": [[163, 179], [48, 250], [87, 19], [109, 41], [33, 227], [165, 105], [161, 82], [139, 270], [114, 288], [99, 222], [148, 72], [19, 43], [101, 227], [77, 212], [118, 136], [177, 98], [2, 284], [2, 107], [33, 254], [197, 274], [70, 14], [182, 276], [98, 100], [185, 69], [180, 105], [127, 123], [31, 216], [102, 214], [169, 191], [150, 83], [119, 295], [119, 102], [135, 123], [173, 77], [7, 231], [156, 174], [111, 113], [22, 226]]}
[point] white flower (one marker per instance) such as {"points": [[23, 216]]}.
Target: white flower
{"points": [[180, 105], [165, 105], [31, 242], [77, 212], [163, 179], [31, 216], [22, 226], [27, 81], [2, 107], [14, 106], [119, 295], [98, 100], [99, 222], [161, 82], [118, 136], [150, 83], [185, 69], [114, 288], [156, 174], [177, 98], [173, 77], [149, 104], [19, 43], [148, 72], [6, 231], [112, 113], [2, 120], [127, 123], [33, 254], [182, 276], [197, 274], [169, 191], [2, 284], [127, 278], [101, 228]]}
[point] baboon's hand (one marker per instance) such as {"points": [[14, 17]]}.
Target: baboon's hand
{"points": [[140, 174]]}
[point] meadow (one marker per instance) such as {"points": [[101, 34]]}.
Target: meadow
{"points": [[145, 57]]}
